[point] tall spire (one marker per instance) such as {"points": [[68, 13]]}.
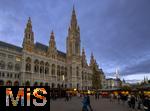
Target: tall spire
{"points": [[73, 39], [73, 19], [52, 50], [28, 42], [92, 60]]}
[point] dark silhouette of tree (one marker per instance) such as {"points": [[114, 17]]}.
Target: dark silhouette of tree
{"points": [[96, 80]]}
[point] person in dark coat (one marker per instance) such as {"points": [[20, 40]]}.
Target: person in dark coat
{"points": [[139, 100], [88, 103], [133, 100], [146, 103], [85, 103], [95, 95]]}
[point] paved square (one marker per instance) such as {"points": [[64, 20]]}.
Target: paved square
{"points": [[97, 105]]}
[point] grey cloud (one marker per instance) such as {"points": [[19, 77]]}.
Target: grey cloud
{"points": [[116, 31]]}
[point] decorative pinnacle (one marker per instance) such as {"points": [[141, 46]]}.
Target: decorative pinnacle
{"points": [[29, 20], [52, 35]]}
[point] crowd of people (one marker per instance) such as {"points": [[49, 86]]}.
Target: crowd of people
{"points": [[135, 102]]}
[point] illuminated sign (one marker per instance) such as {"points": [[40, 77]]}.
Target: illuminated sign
{"points": [[20, 98]]}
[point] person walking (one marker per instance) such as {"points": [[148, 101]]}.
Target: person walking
{"points": [[111, 97], [139, 101], [67, 96], [118, 98], [85, 103], [96, 95], [133, 100], [129, 101], [88, 103]]}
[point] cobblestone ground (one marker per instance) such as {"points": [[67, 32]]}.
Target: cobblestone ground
{"points": [[98, 105]]}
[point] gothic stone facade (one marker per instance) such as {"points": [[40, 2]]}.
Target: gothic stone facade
{"points": [[38, 64]]}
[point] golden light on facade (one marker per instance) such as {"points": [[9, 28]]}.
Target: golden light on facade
{"points": [[18, 59], [63, 77]]}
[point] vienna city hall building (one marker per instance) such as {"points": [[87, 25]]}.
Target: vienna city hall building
{"points": [[37, 64]]}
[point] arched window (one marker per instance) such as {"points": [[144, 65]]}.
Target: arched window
{"points": [[46, 68], [28, 64], [53, 69], [10, 66], [41, 84], [27, 83], [16, 83], [41, 67], [2, 65], [17, 67], [36, 66], [8, 83], [36, 84]]}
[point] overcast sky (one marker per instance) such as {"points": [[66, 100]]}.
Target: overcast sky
{"points": [[116, 31]]}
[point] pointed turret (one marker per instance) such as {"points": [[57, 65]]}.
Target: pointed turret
{"points": [[52, 50], [123, 80], [92, 60], [52, 42], [84, 61], [117, 73], [28, 41]]}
